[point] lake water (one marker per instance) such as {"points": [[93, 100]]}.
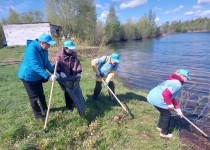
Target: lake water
{"points": [[147, 63]]}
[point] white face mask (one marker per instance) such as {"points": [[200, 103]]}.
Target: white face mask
{"points": [[113, 62], [44, 45], [68, 50]]}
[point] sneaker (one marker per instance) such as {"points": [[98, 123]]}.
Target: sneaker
{"points": [[159, 129], [166, 135]]}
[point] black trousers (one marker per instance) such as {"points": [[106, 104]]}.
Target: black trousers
{"points": [[98, 87], [35, 93], [164, 119], [68, 100]]}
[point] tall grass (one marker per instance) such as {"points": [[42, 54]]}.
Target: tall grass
{"points": [[67, 130]]}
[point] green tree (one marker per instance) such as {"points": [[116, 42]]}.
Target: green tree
{"points": [[199, 24], [13, 16], [31, 16], [112, 28], [98, 33], [151, 18], [76, 17], [165, 27], [147, 25], [143, 25], [151, 28], [130, 30], [2, 36]]}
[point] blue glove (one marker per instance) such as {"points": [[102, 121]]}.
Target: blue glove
{"points": [[106, 83]]}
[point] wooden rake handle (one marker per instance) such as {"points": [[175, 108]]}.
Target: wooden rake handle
{"points": [[195, 126], [48, 110], [115, 97]]}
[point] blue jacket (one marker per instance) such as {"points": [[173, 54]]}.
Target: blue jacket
{"points": [[155, 96], [104, 65], [34, 63]]}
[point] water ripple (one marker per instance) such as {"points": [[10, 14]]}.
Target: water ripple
{"points": [[146, 64]]}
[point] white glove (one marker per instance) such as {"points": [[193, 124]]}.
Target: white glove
{"points": [[57, 75], [78, 75], [63, 75], [53, 78], [171, 106], [179, 112]]}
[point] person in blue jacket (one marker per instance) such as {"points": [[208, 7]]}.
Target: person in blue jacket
{"points": [[105, 68], [163, 99], [32, 72]]}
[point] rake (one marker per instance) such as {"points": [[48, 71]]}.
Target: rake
{"points": [[195, 126], [37, 134], [48, 110], [124, 108]]}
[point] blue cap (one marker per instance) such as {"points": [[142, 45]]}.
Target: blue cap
{"points": [[115, 57], [69, 44], [185, 72], [47, 39]]}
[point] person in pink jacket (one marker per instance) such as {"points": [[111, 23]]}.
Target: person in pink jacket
{"points": [[68, 65], [163, 99]]}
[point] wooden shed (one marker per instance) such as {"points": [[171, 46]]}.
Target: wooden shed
{"points": [[18, 34]]}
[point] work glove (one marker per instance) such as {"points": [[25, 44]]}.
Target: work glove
{"points": [[179, 112], [171, 106], [57, 75], [63, 75], [78, 75], [106, 83], [53, 78]]}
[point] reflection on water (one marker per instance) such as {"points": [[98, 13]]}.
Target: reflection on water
{"points": [[147, 63]]}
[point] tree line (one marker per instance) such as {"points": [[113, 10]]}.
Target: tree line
{"points": [[77, 18]]}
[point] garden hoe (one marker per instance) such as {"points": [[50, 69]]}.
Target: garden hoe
{"points": [[124, 108]]}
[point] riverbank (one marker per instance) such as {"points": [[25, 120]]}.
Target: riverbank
{"points": [[98, 129]]}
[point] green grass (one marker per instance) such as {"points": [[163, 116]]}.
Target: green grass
{"points": [[96, 130]]}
